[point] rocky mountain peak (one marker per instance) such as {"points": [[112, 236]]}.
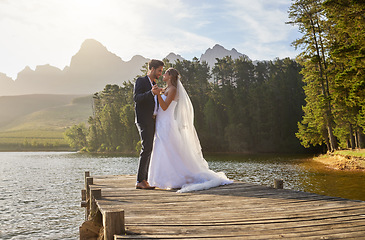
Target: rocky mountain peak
{"points": [[91, 45], [218, 51], [90, 54], [172, 57], [90, 69]]}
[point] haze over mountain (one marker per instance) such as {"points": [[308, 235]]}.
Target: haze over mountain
{"points": [[218, 51], [17, 109], [90, 69], [172, 57]]}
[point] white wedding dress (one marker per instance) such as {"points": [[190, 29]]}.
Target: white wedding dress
{"points": [[177, 160]]}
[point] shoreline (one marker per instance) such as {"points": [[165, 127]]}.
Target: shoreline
{"points": [[343, 162]]}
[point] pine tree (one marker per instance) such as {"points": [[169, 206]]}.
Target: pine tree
{"points": [[348, 54], [309, 15]]}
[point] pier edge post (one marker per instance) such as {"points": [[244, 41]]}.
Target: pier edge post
{"points": [[87, 174], [95, 194], [89, 181], [83, 198], [113, 222], [278, 184]]}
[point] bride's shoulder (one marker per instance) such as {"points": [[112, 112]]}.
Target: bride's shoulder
{"points": [[173, 90], [170, 90]]}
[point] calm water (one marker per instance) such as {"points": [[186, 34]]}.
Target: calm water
{"points": [[40, 192]]}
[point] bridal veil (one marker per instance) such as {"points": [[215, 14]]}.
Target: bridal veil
{"points": [[184, 116]]}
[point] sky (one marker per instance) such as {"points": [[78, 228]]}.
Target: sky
{"points": [[38, 32]]}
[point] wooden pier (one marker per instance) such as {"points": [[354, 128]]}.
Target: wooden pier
{"points": [[116, 210]]}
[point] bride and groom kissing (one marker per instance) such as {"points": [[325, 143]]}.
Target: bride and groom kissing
{"points": [[171, 156]]}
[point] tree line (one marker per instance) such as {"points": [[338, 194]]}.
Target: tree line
{"points": [[239, 106], [333, 53]]}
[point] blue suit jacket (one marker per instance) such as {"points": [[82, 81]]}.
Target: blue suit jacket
{"points": [[144, 100]]}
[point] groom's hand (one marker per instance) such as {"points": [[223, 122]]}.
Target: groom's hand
{"points": [[155, 90]]}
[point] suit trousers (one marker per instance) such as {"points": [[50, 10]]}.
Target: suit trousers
{"points": [[147, 133]]}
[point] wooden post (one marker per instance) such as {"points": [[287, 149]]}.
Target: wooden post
{"points": [[83, 198], [83, 194], [113, 222], [278, 183], [95, 194], [89, 181], [87, 174]]}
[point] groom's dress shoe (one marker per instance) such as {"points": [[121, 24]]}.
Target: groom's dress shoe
{"points": [[144, 185]]}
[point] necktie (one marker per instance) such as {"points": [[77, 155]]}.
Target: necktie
{"points": [[156, 100]]}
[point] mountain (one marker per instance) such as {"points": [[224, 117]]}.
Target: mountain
{"points": [[172, 57], [44, 79], [218, 51], [90, 69], [6, 84]]}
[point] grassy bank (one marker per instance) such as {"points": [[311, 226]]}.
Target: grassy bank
{"points": [[33, 140], [351, 153], [344, 160]]}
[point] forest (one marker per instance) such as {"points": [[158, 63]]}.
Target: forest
{"points": [[240, 105], [333, 60], [248, 107]]}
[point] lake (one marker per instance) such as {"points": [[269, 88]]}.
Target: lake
{"points": [[40, 191]]}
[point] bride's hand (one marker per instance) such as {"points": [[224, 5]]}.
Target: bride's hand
{"points": [[156, 90]]}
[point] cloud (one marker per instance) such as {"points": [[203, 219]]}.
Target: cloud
{"points": [[262, 29], [160, 28], [51, 31]]}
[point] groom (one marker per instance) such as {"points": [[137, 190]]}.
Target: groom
{"points": [[145, 107]]}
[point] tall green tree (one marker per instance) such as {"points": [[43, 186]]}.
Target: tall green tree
{"points": [[347, 21], [309, 15]]}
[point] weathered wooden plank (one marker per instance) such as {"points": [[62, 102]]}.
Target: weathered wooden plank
{"points": [[325, 233], [236, 211]]}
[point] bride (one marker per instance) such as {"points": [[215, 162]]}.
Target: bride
{"points": [[177, 160]]}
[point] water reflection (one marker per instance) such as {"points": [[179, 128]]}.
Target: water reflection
{"points": [[322, 180], [299, 172]]}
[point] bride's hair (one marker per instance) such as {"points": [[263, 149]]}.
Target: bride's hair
{"points": [[174, 76]]}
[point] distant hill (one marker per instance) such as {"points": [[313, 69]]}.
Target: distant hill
{"points": [[90, 69], [43, 112]]}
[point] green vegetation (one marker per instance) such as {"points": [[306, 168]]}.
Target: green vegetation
{"points": [[111, 128], [356, 153], [32, 140], [40, 126], [250, 107], [333, 60]]}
